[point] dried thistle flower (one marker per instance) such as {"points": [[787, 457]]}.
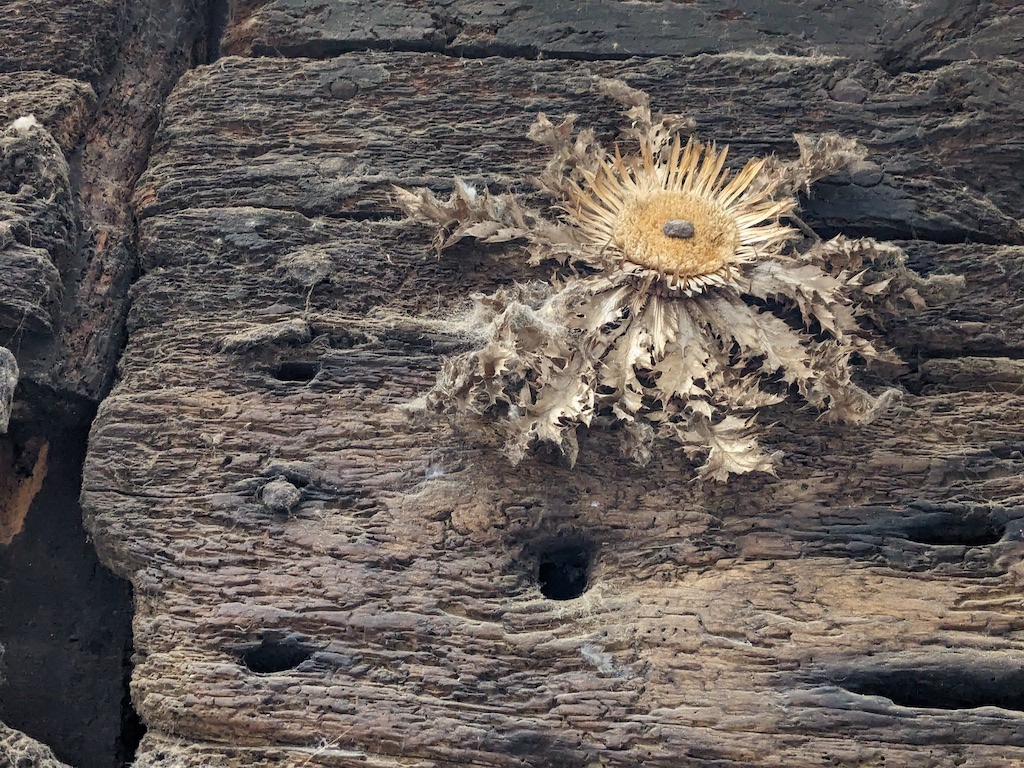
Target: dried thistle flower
{"points": [[686, 305], [681, 224]]}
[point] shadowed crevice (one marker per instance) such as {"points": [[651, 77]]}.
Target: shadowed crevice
{"points": [[65, 623], [956, 686]]}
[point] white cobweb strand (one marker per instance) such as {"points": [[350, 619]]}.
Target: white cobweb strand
{"points": [[24, 124]]}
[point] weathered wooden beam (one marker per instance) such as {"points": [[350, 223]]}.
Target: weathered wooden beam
{"points": [[93, 75], [38, 228], [74, 352], [365, 266], [859, 608], [896, 34], [398, 609], [274, 133], [63, 105]]}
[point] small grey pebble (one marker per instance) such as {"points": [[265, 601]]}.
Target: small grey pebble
{"points": [[343, 88], [678, 228], [850, 91], [280, 496]]}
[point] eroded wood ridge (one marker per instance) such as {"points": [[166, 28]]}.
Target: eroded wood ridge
{"points": [[18, 749], [281, 137], [58, 59], [397, 615], [38, 229], [78, 40], [81, 84], [62, 104], [897, 34]]}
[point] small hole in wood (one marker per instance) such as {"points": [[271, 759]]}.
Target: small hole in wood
{"points": [[952, 530], [562, 573], [296, 370], [943, 688], [275, 655]]}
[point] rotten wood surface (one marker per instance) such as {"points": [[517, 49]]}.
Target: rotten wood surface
{"points": [[321, 579], [78, 40], [81, 85], [62, 104], [861, 609], [899, 35], [16, 749], [88, 73], [286, 138]]}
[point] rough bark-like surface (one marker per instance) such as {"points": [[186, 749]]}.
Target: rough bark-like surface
{"points": [[81, 85], [907, 35], [115, 152], [283, 139], [74, 326], [38, 227], [17, 749], [861, 609], [78, 39], [63, 105], [9, 374], [940, 31]]}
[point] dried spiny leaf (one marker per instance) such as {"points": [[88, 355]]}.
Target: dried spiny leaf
{"points": [[732, 449], [881, 283], [658, 130], [570, 153], [820, 156]]}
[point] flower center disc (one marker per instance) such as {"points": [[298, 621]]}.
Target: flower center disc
{"points": [[639, 234]]}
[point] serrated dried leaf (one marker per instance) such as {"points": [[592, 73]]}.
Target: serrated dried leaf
{"points": [[732, 448], [820, 156]]}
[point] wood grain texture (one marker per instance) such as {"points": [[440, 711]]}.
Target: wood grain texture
{"points": [[283, 140], [62, 104], [862, 609], [17, 749], [94, 74], [899, 35], [161, 42], [949, 30], [70, 346], [78, 39], [38, 229]]}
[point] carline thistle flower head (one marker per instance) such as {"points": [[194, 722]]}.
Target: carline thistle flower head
{"points": [[682, 221], [675, 317]]}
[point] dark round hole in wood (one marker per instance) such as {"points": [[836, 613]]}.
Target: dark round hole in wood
{"points": [[562, 574], [946, 687], [275, 655], [296, 370]]}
